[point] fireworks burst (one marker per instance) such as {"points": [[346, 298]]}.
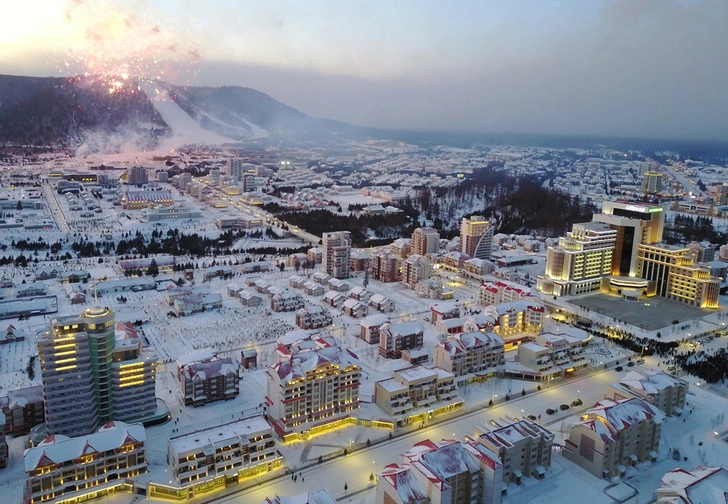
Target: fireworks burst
{"points": [[112, 50]]}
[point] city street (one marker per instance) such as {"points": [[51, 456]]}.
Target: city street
{"points": [[355, 469]]}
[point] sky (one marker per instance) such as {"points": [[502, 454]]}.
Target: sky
{"points": [[645, 68]]}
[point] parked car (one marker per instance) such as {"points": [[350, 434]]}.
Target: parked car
{"points": [[576, 402], [630, 364], [640, 361], [619, 368], [564, 407], [676, 454], [532, 417], [550, 411]]}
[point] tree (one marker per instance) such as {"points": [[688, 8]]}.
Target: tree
{"points": [[153, 269], [523, 392], [366, 278], [19, 206], [371, 477], [346, 487], [490, 403]]}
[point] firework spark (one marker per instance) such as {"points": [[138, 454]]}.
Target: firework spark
{"points": [[112, 50]]}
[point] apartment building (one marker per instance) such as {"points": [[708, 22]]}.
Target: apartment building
{"points": [[62, 469], [443, 311], [446, 472], [205, 377], [23, 409], [550, 356], [237, 450], [476, 268], [83, 373], [476, 237], [415, 269], [524, 448], [425, 240], [472, 354], [417, 394], [313, 385], [393, 338], [665, 391], [386, 267], [502, 291], [613, 435], [313, 317], [336, 254], [520, 317]]}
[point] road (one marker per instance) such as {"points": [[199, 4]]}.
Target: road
{"points": [[55, 209], [354, 470]]}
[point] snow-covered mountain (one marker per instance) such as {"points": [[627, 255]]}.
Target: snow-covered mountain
{"points": [[71, 112]]}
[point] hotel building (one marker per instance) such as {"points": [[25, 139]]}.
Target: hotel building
{"points": [[476, 237], [204, 377], [472, 354], [83, 373], [69, 470]]}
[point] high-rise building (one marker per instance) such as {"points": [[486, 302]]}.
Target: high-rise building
{"points": [[336, 254], [652, 182], [137, 175], [476, 237], [415, 269], [83, 373], [721, 194], [425, 240], [636, 223], [580, 260], [236, 168]]}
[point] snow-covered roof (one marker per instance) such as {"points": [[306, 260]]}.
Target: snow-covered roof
{"points": [[404, 482], [405, 328], [441, 461], [702, 485], [650, 382], [622, 414], [59, 449], [374, 320], [214, 436]]}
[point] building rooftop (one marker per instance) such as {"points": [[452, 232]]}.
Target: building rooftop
{"points": [[244, 429], [702, 485]]}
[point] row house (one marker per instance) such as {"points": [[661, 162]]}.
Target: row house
{"points": [[354, 308], [417, 394], [370, 327], [474, 354], [339, 285], [250, 298], [381, 303], [334, 299], [313, 317], [297, 281], [321, 278], [393, 338], [286, 301], [313, 289], [614, 435], [360, 294]]}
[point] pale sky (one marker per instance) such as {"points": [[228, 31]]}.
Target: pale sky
{"points": [[650, 68]]}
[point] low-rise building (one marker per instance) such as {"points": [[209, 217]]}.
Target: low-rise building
{"points": [[334, 299], [613, 435], [313, 317], [360, 294], [196, 303], [23, 409], [31, 289], [443, 311], [238, 450], [550, 356], [701, 485], [62, 469], [524, 448], [381, 303], [665, 391], [313, 288], [417, 394], [393, 338], [370, 326], [249, 298], [339, 285], [472, 355], [502, 291], [520, 317], [286, 301], [446, 472], [354, 308], [204, 377]]}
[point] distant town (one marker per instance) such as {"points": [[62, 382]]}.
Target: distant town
{"points": [[376, 322]]}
